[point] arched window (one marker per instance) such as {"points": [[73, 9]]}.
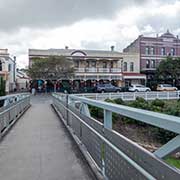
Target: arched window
{"points": [[172, 51], [163, 51], [147, 63], [125, 66], [131, 66], [152, 51], [153, 63], [147, 50], [0, 66]]}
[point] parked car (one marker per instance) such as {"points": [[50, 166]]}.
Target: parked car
{"points": [[107, 88], [138, 88], [166, 87]]}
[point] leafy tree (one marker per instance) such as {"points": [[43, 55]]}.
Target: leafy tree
{"points": [[54, 67], [169, 69]]}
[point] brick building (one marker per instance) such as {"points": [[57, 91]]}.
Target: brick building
{"points": [[154, 49]]}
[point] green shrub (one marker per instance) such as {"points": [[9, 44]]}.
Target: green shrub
{"points": [[96, 112], [158, 102], [110, 100], [140, 103], [162, 135], [119, 101]]}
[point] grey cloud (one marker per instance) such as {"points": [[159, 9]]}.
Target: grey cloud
{"points": [[52, 13], [103, 45], [160, 23]]}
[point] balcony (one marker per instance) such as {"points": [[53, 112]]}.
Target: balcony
{"points": [[97, 70]]}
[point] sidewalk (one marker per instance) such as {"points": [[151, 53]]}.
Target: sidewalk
{"points": [[39, 148]]}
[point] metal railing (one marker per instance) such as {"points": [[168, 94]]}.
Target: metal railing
{"points": [[114, 155], [13, 107], [131, 96]]}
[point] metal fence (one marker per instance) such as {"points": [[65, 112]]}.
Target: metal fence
{"points": [[130, 96], [13, 107], [114, 155]]}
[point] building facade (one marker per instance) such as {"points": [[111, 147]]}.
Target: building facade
{"points": [[8, 69], [152, 50], [22, 80], [131, 69], [96, 66]]}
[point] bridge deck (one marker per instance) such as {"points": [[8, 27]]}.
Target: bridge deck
{"points": [[38, 148]]}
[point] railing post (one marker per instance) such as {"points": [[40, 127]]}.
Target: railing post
{"points": [[146, 96], [109, 95], [85, 110], [157, 95], [134, 96], [168, 95], [67, 114], [107, 119]]}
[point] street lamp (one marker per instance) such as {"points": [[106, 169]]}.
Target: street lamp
{"points": [[122, 70]]}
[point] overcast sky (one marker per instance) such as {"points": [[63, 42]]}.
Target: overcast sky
{"points": [[86, 24]]}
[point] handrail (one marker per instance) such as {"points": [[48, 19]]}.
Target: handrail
{"points": [[168, 122], [133, 163], [12, 111], [109, 149]]}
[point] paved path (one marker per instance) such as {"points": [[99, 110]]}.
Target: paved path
{"points": [[39, 148]]}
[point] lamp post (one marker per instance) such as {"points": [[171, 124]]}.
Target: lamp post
{"points": [[122, 71]]}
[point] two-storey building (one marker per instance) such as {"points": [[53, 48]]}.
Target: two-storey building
{"points": [[154, 49], [7, 69], [97, 66]]}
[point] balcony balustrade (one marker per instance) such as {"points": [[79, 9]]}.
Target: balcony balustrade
{"points": [[97, 70]]}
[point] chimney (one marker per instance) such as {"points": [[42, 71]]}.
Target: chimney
{"points": [[157, 35], [112, 48], [66, 47]]}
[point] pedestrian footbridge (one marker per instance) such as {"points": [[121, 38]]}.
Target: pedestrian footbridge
{"points": [[54, 138]]}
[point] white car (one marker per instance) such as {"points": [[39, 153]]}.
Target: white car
{"points": [[166, 87], [139, 88]]}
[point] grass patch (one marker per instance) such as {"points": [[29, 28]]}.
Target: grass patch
{"points": [[174, 162]]}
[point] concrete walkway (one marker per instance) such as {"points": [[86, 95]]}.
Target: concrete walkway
{"points": [[39, 148]]}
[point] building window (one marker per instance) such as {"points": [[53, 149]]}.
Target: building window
{"points": [[147, 63], [163, 51], [147, 50], [0, 66], [152, 51], [87, 64], [104, 64], [93, 64], [76, 64], [172, 52], [125, 66], [9, 67], [152, 63], [112, 64], [131, 66]]}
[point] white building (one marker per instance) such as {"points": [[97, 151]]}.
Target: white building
{"points": [[131, 69], [22, 80], [7, 69], [96, 66]]}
